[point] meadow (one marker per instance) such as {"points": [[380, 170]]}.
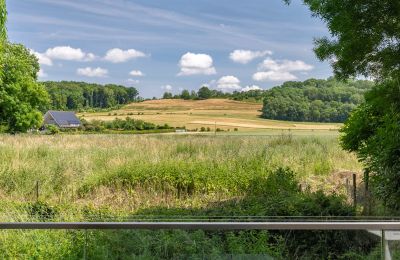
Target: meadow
{"points": [[126, 177]]}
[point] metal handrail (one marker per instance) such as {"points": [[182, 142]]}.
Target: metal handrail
{"points": [[287, 225]]}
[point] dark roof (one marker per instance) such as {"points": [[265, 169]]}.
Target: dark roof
{"points": [[64, 118]]}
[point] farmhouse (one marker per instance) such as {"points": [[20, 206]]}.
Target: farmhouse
{"points": [[62, 119]]}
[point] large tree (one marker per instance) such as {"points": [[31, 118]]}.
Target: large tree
{"points": [[21, 97], [365, 40]]}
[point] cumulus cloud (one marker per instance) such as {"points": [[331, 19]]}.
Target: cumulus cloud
{"points": [[42, 58], [195, 64], [227, 83], [41, 74], [273, 76], [92, 72], [285, 65], [280, 70], [248, 88], [136, 73], [68, 53], [166, 87], [245, 56], [117, 55]]}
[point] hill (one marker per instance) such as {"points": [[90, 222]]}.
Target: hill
{"points": [[194, 114], [314, 100]]}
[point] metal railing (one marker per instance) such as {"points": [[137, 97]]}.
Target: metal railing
{"points": [[286, 225]]}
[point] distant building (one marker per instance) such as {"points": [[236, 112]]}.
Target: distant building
{"points": [[62, 119]]}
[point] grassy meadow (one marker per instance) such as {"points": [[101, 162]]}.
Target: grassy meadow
{"points": [[131, 172], [126, 177]]}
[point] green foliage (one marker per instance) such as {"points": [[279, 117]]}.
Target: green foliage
{"points": [[167, 95], [21, 98], [3, 20], [314, 100], [70, 95], [41, 211], [373, 132], [52, 129], [204, 93], [121, 125], [365, 36]]}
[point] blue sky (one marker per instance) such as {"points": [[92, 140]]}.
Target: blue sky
{"points": [[169, 45]]}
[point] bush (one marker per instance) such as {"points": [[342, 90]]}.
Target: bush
{"points": [[52, 129]]}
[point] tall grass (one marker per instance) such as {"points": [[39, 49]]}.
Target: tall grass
{"points": [[132, 171]]}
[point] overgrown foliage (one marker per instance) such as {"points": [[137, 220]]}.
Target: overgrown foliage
{"points": [[121, 125], [314, 100], [366, 41], [70, 95]]}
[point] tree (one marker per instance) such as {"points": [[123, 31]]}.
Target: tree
{"points": [[3, 19], [204, 93], [167, 95], [366, 41], [185, 94], [21, 97], [365, 36]]}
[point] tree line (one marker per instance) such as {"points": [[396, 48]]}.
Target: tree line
{"points": [[70, 95], [315, 100]]}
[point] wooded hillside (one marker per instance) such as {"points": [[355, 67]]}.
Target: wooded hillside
{"points": [[69, 95], [314, 100]]}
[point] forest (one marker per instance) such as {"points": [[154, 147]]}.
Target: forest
{"points": [[314, 100], [70, 95]]}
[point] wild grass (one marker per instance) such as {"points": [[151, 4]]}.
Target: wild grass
{"points": [[123, 177], [136, 170]]}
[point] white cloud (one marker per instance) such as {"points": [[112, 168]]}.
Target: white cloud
{"points": [[245, 56], [41, 74], [133, 81], [285, 65], [42, 58], [273, 76], [136, 73], [117, 55], [92, 72], [167, 87], [280, 70], [192, 64], [68, 53], [228, 83], [248, 88]]}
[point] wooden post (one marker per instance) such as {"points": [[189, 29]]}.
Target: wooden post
{"points": [[367, 197], [37, 191], [354, 190]]}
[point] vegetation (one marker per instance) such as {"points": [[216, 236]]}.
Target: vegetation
{"points": [[69, 95], [370, 47], [128, 124], [118, 177], [314, 100], [21, 98]]}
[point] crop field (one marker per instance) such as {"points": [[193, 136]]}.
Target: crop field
{"points": [[193, 114]]}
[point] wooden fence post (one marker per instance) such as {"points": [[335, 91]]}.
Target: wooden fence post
{"points": [[354, 190]]}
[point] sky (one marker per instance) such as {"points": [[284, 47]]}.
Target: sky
{"points": [[157, 46]]}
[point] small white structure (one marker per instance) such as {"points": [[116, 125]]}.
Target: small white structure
{"points": [[62, 119]]}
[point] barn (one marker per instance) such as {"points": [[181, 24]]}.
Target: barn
{"points": [[62, 119]]}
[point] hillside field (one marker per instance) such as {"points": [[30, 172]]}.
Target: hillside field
{"points": [[221, 113]]}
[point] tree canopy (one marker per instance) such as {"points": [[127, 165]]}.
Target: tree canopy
{"points": [[21, 97], [70, 95], [364, 38], [314, 100]]}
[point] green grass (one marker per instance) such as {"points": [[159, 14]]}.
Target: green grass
{"points": [[117, 177]]}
